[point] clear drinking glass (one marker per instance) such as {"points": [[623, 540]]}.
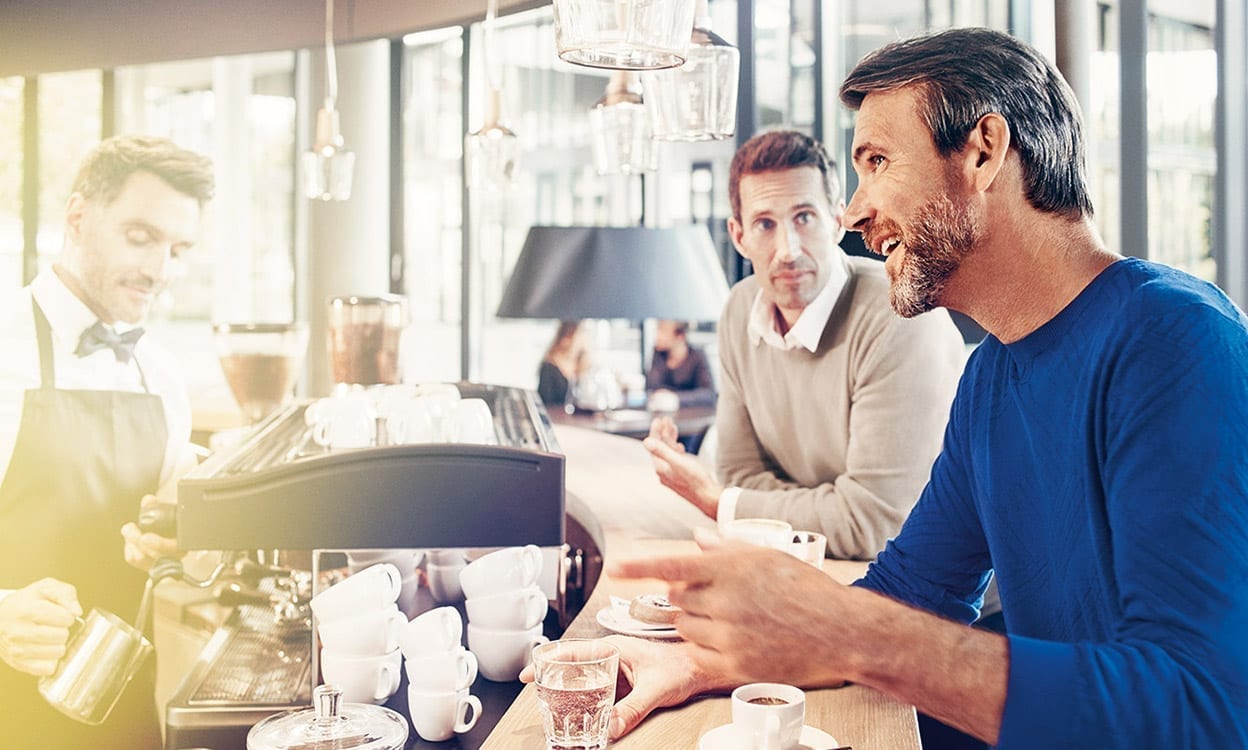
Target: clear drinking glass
{"points": [[575, 691]]}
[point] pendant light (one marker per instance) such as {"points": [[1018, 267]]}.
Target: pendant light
{"points": [[491, 150], [620, 129], [328, 167], [623, 34], [698, 100]]}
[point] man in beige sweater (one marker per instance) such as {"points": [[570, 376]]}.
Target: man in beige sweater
{"points": [[831, 408]]}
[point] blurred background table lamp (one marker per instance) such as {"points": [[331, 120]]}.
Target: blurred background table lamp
{"points": [[607, 273]]}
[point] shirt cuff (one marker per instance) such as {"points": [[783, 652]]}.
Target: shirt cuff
{"points": [[727, 511]]}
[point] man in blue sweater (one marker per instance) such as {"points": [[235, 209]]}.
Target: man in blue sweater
{"points": [[1096, 456]]}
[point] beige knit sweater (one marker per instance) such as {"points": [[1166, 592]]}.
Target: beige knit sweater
{"points": [[840, 440]]}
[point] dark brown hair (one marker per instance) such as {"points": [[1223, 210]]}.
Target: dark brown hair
{"points": [[776, 150], [964, 74]]}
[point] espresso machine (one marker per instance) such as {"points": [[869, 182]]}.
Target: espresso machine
{"points": [[278, 489]]}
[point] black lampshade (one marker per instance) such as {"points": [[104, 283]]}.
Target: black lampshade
{"points": [[616, 272]]}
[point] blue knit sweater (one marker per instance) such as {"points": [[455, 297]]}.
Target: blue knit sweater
{"points": [[1100, 467]]}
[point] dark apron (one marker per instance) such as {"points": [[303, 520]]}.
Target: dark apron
{"points": [[81, 463]]}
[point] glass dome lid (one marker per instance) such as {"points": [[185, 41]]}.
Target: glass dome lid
{"points": [[330, 725]]}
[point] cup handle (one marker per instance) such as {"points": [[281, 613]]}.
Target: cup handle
{"points": [[387, 682], [395, 577], [532, 562], [536, 608], [470, 669], [394, 629], [468, 704]]}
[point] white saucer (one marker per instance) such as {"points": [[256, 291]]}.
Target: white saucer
{"points": [[726, 738], [611, 619]]}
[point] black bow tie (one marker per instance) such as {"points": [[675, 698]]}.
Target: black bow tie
{"points": [[100, 336]]}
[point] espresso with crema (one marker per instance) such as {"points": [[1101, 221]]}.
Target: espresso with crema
{"points": [[768, 700]]}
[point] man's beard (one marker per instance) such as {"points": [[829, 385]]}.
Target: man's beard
{"points": [[942, 235]]}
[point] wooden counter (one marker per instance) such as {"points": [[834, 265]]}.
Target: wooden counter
{"points": [[610, 478]]}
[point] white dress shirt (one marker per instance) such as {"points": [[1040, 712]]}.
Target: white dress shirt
{"points": [[68, 318], [804, 333]]}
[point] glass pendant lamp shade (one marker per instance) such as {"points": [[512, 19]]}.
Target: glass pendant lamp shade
{"points": [[620, 129], [328, 167], [698, 100], [623, 34], [491, 151]]}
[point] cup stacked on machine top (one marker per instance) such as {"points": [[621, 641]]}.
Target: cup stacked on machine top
{"points": [[505, 609], [360, 625], [440, 673]]}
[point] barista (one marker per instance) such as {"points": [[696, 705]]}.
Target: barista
{"points": [[93, 419]]}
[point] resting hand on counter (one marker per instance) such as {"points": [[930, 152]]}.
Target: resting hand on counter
{"points": [[753, 614], [34, 625], [681, 472], [653, 675], [144, 548]]}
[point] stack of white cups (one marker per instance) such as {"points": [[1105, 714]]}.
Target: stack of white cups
{"points": [[440, 673], [359, 626], [505, 609]]}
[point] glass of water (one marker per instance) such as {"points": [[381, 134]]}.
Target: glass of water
{"points": [[575, 691]]}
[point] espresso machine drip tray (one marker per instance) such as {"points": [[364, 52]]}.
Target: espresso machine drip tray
{"points": [[251, 668]]}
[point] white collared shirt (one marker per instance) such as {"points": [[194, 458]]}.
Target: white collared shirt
{"points": [[805, 333], [69, 317], [808, 328]]}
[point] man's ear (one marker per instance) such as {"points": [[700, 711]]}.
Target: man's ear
{"points": [[986, 148], [735, 233], [75, 209], [838, 213]]}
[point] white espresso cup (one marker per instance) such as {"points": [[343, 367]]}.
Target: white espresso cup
{"points": [[768, 715], [810, 546], [502, 570], [442, 670], [444, 583], [372, 588], [502, 654], [363, 679], [519, 609], [438, 630], [764, 532], [469, 421], [437, 716], [368, 633], [348, 420]]}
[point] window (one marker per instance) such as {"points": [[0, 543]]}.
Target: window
{"points": [[11, 161]]}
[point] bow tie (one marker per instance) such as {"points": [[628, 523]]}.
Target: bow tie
{"points": [[99, 337]]}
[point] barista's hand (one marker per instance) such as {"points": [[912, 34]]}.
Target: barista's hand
{"points": [[144, 548], [682, 472], [652, 675], [34, 625]]}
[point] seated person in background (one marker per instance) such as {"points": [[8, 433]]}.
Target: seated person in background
{"points": [[831, 408], [677, 366], [565, 361]]}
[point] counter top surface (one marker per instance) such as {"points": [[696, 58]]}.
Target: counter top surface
{"points": [[637, 516]]}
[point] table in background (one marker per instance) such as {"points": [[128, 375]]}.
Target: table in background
{"points": [[635, 423]]}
